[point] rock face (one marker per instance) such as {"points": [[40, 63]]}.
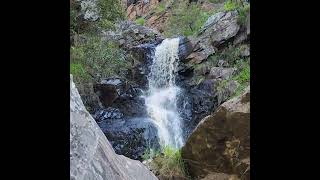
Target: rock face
{"points": [[131, 137], [91, 155], [124, 118], [218, 29], [129, 35], [221, 142]]}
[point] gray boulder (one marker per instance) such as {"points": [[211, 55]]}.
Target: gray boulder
{"points": [[91, 154], [219, 28]]}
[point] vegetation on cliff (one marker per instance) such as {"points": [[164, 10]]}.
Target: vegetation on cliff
{"points": [[167, 162]]}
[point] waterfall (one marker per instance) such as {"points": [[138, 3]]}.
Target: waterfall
{"points": [[161, 101]]}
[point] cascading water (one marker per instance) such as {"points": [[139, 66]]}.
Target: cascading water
{"points": [[161, 101]]}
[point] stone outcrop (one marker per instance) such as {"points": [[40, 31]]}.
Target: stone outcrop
{"points": [[91, 154], [221, 141], [218, 29], [129, 35]]}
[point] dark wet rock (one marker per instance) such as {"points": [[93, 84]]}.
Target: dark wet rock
{"points": [[185, 47], [131, 137], [109, 89], [108, 113], [142, 59], [120, 94]]}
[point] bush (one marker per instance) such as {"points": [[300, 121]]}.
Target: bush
{"points": [[140, 21], [230, 5], [98, 58], [186, 19], [242, 7], [168, 162], [111, 10], [78, 70], [161, 8], [243, 77], [243, 13]]}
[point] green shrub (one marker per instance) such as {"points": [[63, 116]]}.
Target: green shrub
{"points": [[243, 76], [161, 8], [243, 13], [242, 7], [78, 70], [140, 21], [230, 5], [98, 57], [111, 10], [170, 162], [186, 19], [150, 153]]}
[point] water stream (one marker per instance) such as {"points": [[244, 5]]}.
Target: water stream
{"points": [[161, 99]]}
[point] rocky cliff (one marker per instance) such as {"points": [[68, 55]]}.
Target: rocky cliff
{"points": [[91, 154]]}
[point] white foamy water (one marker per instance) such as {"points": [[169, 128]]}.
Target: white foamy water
{"points": [[161, 101]]}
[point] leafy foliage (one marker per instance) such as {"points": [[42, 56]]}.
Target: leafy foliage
{"points": [[186, 19], [140, 21], [230, 5], [243, 77], [110, 11], [95, 57], [168, 162], [243, 13], [161, 7], [242, 7]]}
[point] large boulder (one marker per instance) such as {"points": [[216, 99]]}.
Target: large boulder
{"points": [[91, 154], [221, 141], [219, 28]]}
